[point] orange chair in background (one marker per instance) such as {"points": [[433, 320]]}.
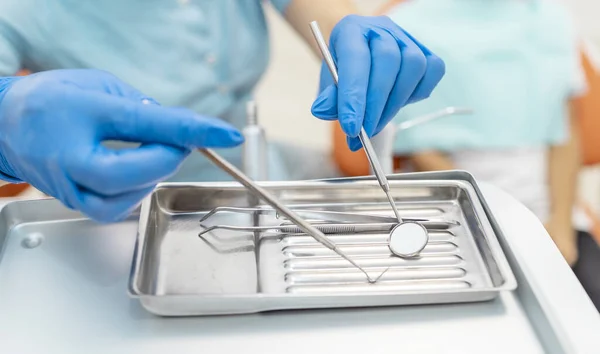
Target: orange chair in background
{"points": [[587, 109]]}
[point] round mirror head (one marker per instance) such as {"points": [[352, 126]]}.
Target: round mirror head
{"points": [[408, 239]]}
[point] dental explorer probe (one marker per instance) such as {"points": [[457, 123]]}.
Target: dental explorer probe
{"points": [[364, 138], [261, 193]]}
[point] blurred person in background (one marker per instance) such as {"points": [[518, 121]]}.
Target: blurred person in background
{"points": [[588, 111], [517, 65], [206, 56]]}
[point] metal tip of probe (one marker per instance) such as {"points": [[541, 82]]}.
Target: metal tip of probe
{"points": [[381, 275], [370, 279]]}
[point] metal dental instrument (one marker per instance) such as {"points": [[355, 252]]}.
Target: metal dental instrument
{"points": [[293, 229], [409, 239], [329, 228], [261, 193], [345, 217], [364, 138], [333, 216]]}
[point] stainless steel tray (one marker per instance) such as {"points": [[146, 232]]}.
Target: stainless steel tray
{"points": [[175, 273]]}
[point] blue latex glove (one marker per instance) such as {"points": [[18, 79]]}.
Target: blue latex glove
{"points": [[52, 125], [381, 69]]}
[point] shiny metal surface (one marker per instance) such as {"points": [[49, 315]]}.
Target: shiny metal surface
{"points": [[176, 273]]}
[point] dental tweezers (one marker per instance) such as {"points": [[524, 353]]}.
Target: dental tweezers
{"points": [[328, 216], [333, 216]]}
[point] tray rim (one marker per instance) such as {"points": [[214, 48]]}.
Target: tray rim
{"points": [[509, 284]]}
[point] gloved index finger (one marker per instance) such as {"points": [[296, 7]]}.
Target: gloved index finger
{"points": [[127, 120], [353, 56]]}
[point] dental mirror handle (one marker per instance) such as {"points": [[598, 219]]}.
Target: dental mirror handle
{"points": [[364, 138]]}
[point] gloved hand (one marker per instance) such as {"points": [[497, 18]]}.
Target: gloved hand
{"points": [[381, 69], [52, 125]]}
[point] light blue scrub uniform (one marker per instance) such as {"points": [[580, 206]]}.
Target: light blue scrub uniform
{"points": [[515, 63], [206, 55]]}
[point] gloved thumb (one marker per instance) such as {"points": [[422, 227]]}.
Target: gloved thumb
{"points": [[325, 106], [354, 144]]}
